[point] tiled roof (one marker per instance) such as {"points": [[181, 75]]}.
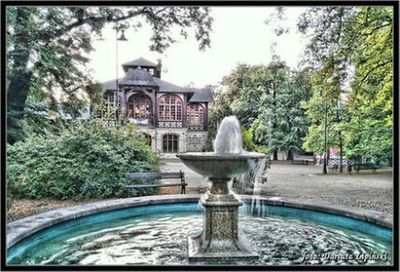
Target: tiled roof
{"points": [[110, 85], [141, 77], [138, 77], [201, 95], [139, 62], [167, 87]]}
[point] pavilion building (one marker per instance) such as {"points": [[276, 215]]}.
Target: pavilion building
{"points": [[173, 118]]}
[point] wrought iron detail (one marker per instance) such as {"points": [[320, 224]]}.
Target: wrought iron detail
{"points": [[171, 124], [196, 127]]}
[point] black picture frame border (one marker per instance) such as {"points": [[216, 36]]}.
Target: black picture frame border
{"points": [[393, 267]]}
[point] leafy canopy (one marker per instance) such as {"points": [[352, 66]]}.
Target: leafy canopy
{"points": [[345, 39], [266, 100]]}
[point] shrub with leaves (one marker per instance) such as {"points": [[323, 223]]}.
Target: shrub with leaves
{"points": [[85, 160]]}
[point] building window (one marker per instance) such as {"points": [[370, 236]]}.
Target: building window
{"points": [[170, 143], [139, 106], [195, 117], [108, 109], [170, 108]]}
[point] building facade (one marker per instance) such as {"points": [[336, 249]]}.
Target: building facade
{"points": [[173, 118]]}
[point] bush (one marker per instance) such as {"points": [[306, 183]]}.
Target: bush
{"points": [[85, 160]]}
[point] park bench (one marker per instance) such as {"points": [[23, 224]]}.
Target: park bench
{"points": [[333, 167], [156, 175], [365, 166], [300, 162]]}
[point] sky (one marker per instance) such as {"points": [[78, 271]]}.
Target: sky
{"points": [[239, 35]]}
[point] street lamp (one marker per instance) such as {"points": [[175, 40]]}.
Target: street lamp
{"points": [[324, 170], [121, 38], [340, 137]]}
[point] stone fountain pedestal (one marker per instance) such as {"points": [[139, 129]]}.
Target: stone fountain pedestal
{"points": [[219, 238]]}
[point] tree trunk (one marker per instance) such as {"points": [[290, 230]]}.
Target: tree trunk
{"points": [[289, 155], [275, 158], [341, 152], [20, 76]]}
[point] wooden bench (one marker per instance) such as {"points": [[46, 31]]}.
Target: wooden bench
{"points": [[364, 166], [156, 175], [333, 167], [300, 162]]}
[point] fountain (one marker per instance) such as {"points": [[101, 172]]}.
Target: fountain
{"points": [[153, 230], [220, 238]]}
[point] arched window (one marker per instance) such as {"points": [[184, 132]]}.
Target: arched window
{"points": [[170, 108], [195, 117], [139, 106], [170, 143]]}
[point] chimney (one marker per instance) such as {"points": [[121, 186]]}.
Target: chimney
{"points": [[158, 67]]}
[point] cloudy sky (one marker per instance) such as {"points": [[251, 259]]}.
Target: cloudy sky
{"points": [[239, 35]]}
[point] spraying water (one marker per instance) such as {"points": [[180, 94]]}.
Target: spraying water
{"points": [[229, 136], [258, 178], [229, 140]]}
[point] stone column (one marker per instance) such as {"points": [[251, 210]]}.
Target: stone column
{"points": [[219, 238]]}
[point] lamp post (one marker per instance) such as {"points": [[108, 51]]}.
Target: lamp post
{"points": [[121, 38], [324, 170], [340, 137]]}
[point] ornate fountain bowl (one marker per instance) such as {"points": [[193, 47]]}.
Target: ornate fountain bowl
{"points": [[218, 165], [219, 239]]}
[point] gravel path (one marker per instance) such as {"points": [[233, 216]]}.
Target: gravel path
{"points": [[364, 190], [306, 182]]}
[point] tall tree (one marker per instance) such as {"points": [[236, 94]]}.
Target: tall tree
{"points": [[266, 100], [328, 56], [370, 128], [358, 37], [290, 115], [48, 46]]}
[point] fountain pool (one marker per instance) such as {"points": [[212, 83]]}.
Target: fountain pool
{"points": [[153, 231]]}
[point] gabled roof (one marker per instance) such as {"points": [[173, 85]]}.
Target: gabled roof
{"points": [[167, 87], [141, 77], [140, 62], [201, 95], [111, 85], [138, 77]]}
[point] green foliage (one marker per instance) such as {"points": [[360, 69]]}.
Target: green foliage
{"points": [[370, 129], [37, 119], [247, 138], [267, 102], [315, 110], [290, 122], [96, 93], [361, 38], [14, 191], [86, 160]]}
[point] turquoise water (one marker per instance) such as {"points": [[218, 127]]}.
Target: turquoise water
{"points": [[157, 235]]}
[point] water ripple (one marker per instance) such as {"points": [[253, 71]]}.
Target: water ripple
{"points": [[162, 240]]}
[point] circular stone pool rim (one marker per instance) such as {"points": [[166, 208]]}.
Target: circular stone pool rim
{"points": [[22, 228]]}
